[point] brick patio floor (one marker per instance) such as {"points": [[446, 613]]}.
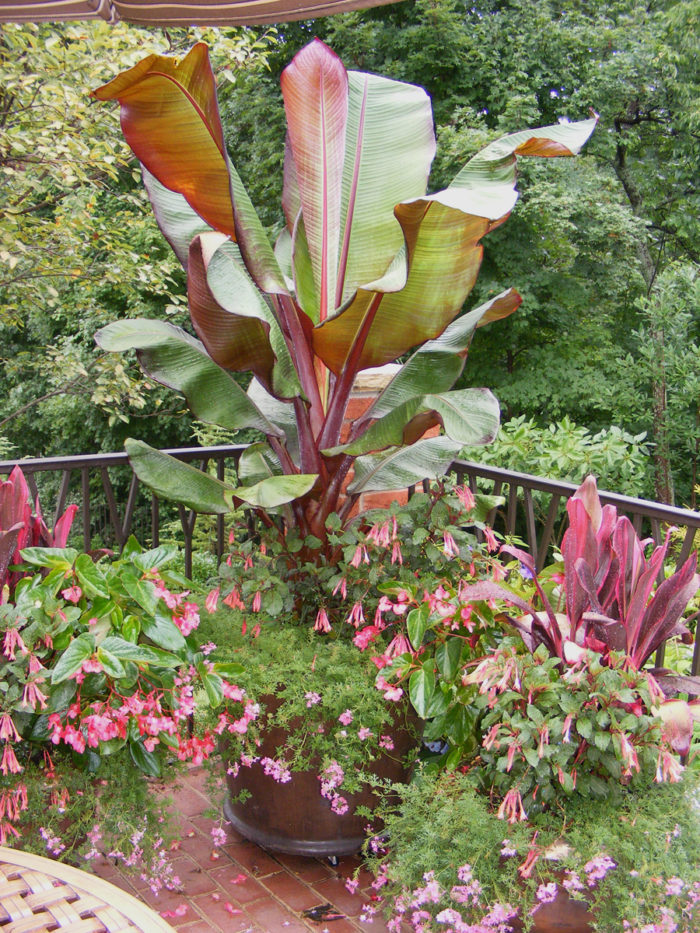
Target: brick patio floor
{"points": [[241, 888]]}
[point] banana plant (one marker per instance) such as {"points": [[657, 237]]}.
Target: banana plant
{"points": [[368, 269]]}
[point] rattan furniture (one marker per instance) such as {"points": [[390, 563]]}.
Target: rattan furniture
{"points": [[38, 895]]}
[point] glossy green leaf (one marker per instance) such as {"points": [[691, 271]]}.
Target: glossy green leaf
{"points": [[161, 629], [139, 654], [417, 624], [437, 365], [90, 577], [421, 685], [156, 557], [110, 662], [447, 658], [213, 686], [54, 557], [178, 221], [466, 413], [143, 759], [141, 591], [70, 662], [426, 459]]}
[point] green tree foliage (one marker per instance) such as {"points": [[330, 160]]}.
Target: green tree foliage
{"points": [[78, 244]]}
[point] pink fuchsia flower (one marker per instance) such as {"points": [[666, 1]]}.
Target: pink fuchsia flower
{"points": [[356, 616], [257, 601], [322, 623], [9, 763], [449, 545], [668, 768], [8, 730], [512, 807], [32, 696], [346, 717], [491, 542], [341, 587], [396, 555], [233, 599], [360, 556], [11, 643], [398, 645], [212, 600], [72, 594]]}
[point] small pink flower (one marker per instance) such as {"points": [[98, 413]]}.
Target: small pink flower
{"points": [[346, 717], [312, 698], [491, 542], [364, 733], [72, 594], [466, 497], [352, 884], [322, 623], [218, 835], [386, 742], [257, 601], [212, 600]]}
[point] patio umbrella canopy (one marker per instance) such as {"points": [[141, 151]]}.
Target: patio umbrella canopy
{"points": [[174, 13]]}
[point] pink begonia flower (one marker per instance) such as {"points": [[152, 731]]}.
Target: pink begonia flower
{"points": [[212, 600], [365, 636], [346, 717], [189, 620], [72, 594], [390, 692]]}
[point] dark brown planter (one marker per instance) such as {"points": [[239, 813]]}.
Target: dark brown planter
{"points": [[294, 818], [562, 915]]}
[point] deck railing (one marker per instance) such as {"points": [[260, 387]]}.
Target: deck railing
{"points": [[113, 504]]}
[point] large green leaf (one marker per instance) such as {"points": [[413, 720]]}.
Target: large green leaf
{"points": [[257, 462], [428, 458], [472, 413], [280, 413], [175, 359], [389, 150], [437, 365], [172, 479], [178, 221], [443, 233]]}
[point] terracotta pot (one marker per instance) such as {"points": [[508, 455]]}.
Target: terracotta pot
{"points": [[562, 915], [294, 817]]}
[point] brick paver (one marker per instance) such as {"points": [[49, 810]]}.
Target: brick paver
{"points": [[241, 888]]}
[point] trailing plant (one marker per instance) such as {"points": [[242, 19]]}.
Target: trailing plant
{"points": [[368, 268], [101, 670], [452, 864]]}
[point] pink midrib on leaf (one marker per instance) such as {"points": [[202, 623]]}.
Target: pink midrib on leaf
{"points": [[352, 200]]}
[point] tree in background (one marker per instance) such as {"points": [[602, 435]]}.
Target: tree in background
{"points": [[78, 244]]}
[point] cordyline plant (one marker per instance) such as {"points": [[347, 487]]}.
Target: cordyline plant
{"points": [[612, 601], [368, 268], [22, 525]]}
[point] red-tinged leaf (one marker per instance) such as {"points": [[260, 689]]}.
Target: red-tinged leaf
{"points": [[170, 118], [662, 617], [315, 92], [235, 342]]}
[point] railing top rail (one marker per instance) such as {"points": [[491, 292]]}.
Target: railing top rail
{"points": [[42, 464], [656, 510]]}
